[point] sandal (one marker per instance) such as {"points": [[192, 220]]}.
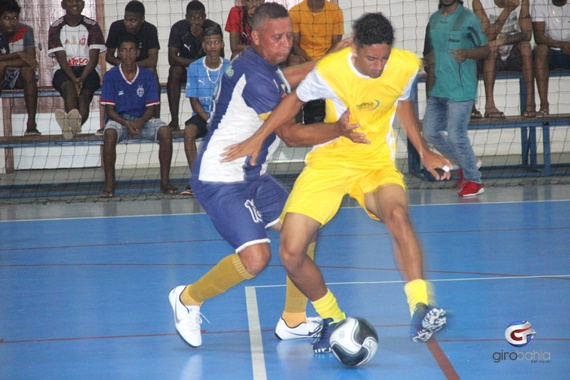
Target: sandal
{"points": [[494, 114], [475, 114], [32, 132], [187, 191], [170, 190], [107, 194], [544, 111], [529, 114]]}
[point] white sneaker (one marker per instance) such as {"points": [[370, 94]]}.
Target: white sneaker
{"points": [[61, 118], [74, 120], [309, 329], [187, 319]]}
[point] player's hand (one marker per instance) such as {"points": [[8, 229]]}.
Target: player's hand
{"points": [[249, 147], [341, 44], [134, 127], [196, 31], [437, 165], [346, 129], [460, 55], [566, 47]]}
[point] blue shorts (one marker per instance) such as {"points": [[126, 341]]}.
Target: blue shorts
{"points": [[149, 130], [241, 211], [558, 60]]}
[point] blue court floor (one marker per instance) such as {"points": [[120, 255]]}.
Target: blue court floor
{"points": [[84, 291]]}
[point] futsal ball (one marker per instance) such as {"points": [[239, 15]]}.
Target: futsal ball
{"points": [[354, 341]]}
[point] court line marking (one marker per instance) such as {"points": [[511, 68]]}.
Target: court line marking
{"points": [[514, 277], [255, 335], [255, 338]]}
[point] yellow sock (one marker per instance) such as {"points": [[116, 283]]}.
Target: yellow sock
{"points": [[327, 307], [418, 291], [295, 301], [226, 274]]}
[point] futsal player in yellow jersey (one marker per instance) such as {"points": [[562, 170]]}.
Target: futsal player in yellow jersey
{"points": [[367, 84]]}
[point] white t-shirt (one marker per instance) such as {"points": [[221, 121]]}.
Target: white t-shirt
{"points": [[556, 19]]}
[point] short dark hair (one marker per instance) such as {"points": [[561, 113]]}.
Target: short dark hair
{"points": [[195, 5], [127, 37], [268, 11], [136, 7], [9, 6], [373, 29], [215, 30]]}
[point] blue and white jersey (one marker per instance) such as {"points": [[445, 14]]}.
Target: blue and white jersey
{"points": [[250, 89], [130, 97], [201, 81]]}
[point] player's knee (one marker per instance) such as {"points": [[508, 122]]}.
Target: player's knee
{"points": [[290, 258], [255, 260], [397, 218], [190, 132]]}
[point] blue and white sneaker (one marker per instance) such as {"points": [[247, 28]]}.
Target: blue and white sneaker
{"points": [[322, 343], [426, 321], [309, 329]]}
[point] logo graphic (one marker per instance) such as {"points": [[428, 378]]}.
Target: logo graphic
{"points": [[140, 91], [368, 106], [519, 333]]}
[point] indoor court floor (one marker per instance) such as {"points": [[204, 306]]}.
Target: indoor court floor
{"points": [[84, 291]]}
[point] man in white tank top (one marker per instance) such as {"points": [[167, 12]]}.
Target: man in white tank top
{"points": [[508, 27]]}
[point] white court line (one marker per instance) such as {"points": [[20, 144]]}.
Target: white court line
{"points": [[256, 343], [257, 355]]}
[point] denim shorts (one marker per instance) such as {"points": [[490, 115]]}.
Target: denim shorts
{"points": [[149, 130]]}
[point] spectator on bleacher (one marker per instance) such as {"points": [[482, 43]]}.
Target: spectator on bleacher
{"points": [[507, 25], [551, 24], [130, 96], [18, 62], [184, 47], [453, 44], [239, 25], [144, 32], [75, 41], [203, 77], [318, 25]]}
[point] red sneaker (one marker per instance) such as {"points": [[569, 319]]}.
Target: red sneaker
{"points": [[471, 189]]}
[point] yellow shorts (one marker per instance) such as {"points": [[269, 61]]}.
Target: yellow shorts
{"points": [[319, 190]]}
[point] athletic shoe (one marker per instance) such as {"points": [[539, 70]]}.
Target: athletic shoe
{"points": [[426, 321], [322, 343], [187, 319], [61, 118], [309, 329], [471, 189], [461, 181], [74, 120]]}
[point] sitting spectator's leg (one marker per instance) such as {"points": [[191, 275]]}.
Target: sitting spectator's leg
{"points": [[176, 77], [195, 128], [489, 74], [110, 137], [27, 81], [164, 136], [541, 59], [525, 54], [91, 84]]}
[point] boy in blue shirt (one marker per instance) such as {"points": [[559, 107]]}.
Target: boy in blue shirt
{"points": [[130, 97]]}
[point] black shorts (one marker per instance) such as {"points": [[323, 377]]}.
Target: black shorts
{"points": [[92, 83], [200, 123]]}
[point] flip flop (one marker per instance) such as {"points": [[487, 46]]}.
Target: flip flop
{"points": [[544, 111], [170, 190], [32, 132], [61, 118], [187, 191], [74, 120], [494, 114], [529, 114], [107, 194], [475, 114]]}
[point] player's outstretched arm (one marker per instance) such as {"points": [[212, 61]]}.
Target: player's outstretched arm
{"points": [[281, 115], [431, 161]]}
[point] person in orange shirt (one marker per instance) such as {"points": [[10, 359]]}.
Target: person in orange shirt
{"points": [[317, 25]]}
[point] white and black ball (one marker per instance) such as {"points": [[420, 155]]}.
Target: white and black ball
{"points": [[354, 341]]}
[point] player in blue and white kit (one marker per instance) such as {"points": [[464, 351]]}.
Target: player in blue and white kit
{"points": [[130, 97], [243, 200]]}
